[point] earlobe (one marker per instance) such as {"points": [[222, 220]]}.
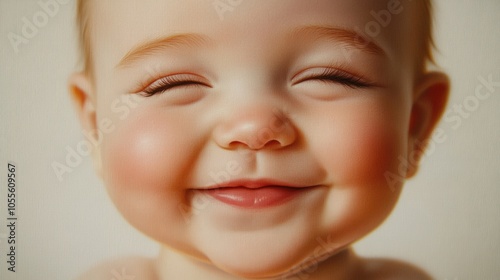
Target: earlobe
{"points": [[431, 96], [83, 98]]}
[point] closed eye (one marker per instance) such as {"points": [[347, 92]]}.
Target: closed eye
{"points": [[332, 75], [174, 81]]}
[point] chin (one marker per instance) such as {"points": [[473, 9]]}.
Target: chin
{"points": [[274, 260]]}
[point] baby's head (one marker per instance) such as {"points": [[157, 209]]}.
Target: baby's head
{"points": [[244, 134]]}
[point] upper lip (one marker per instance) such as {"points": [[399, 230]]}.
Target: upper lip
{"points": [[256, 183]]}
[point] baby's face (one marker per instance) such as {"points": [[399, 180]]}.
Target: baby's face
{"points": [[243, 136]]}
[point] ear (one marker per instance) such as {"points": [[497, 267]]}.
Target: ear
{"points": [[431, 96], [83, 97]]}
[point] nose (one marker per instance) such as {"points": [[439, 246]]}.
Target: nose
{"points": [[255, 127]]}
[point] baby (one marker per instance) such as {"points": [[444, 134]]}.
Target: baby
{"points": [[257, 139]]}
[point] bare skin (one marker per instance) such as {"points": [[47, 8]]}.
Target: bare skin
{"points": [[202, 119], [359, 268]]}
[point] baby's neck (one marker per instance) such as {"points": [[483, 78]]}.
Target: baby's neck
{"points": [[173, 265]]}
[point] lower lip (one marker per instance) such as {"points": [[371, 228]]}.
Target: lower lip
{"points": [[255, 198]]}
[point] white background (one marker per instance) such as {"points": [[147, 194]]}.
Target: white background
{"points": [[447, 220]]}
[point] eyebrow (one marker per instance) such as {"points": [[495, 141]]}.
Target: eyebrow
{"points": [[346, 37], [159, 45]]}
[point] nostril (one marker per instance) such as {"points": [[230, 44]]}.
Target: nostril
{"points": [[255, 130], [273, 144], [256, 144], [237, 145]]}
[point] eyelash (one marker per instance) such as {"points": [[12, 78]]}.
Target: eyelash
{"points": [[332, 75], [329, 75], [170, 82]]}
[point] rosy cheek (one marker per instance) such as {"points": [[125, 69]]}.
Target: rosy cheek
{"points": [[358, 151], [360, 148], [144, 156], [374, 150], [134, 155]]}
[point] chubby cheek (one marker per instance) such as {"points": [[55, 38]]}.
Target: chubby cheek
{"points": [[366, 148], [358, 151], [144, 160]]}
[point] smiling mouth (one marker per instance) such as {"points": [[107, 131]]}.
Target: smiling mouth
{"points": [[255, 194]]}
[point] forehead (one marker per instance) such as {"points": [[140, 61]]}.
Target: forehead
{"points": [[120, 26]]}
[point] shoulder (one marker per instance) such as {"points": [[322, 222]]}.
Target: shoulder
{"points": [[387, 269], [124, 268]]}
